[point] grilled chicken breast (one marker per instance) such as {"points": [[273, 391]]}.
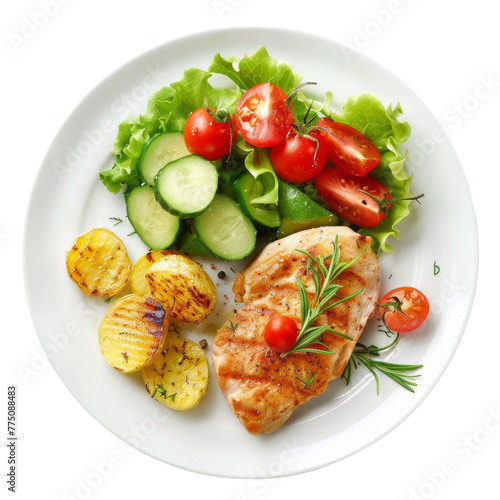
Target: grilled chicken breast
{"points": [[261, 387]]}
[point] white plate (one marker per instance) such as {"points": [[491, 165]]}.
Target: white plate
{"points": [[68, 199]]}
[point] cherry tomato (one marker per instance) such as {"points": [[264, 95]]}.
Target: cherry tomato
{"points": [[299, 158], [262, 115], [281, 333], [343, 193], [348, 148], [404, 309], [207, 137]]}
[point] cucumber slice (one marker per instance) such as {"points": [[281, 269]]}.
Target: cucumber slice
{"points": [[225, 230], [247, 188], [157, 228], [187, 186], [159, 151]]}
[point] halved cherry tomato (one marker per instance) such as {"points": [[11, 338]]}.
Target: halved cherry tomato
{"points": [[343, 193], [281, 333], [299, 158], [262, 115], [404, 309], [348, 148], [204, 135]]}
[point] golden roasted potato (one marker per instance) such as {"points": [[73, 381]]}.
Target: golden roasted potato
{"points": [[181, 284], [98, 263], [138, 282], [178, 378], [133, 332]]}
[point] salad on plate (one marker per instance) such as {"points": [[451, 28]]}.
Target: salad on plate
{"points": [[146, 143]]}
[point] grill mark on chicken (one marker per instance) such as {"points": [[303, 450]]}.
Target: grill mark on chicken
{"points": [[261, 387]]}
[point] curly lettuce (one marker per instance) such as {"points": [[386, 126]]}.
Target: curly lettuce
{"points": [[256, 68], [258, 163]]}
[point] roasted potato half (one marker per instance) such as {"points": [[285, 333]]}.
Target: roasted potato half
{"points": [[178, 378], [133, 332], [138, 283], [98, 263], [181, 284]]}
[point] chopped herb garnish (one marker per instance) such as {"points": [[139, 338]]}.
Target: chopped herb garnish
{"points": [[307, 382], [437, 269], [363, 355], [117, 220], [385, 203], [163, 393]]}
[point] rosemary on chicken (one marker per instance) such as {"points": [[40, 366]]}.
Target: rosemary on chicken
{"points": [[324, 299], [326, 296], [364, 355]]}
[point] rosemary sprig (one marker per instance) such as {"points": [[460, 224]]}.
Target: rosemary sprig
{"points": [[324, 293], [363, 355]]}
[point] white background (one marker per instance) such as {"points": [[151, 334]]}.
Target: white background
{"points": [[449, 448]]}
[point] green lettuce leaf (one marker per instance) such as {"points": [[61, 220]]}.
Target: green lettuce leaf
{"points": [[259, 67], [258, 163], [167, 110]]}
